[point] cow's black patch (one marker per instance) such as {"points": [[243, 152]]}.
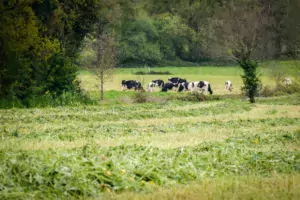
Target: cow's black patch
{"points": [[176, 81], [132, 84], [201, 84], [167, 86]]}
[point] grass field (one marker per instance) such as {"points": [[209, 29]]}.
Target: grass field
{"points": [[215, 75], [219, 149]]}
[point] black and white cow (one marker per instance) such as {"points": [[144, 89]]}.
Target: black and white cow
{"points": [[190, 86], [131, 84], [155, 83], [228, 85], [176, 81], [204, 86], [187, 86], [167, 86], [183, 87]]}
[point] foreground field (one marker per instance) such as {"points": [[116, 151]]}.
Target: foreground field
{"points": [[174, 148]]}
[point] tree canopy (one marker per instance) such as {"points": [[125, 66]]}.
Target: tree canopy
{"points": [[40, 40]]}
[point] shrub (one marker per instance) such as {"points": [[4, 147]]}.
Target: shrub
{"points": [[48, 100], [195, 96], [266, 91], [140, 97], [280, 90]]}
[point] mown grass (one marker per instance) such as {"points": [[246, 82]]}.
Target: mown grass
{"points": [[87, 151], [92, 169]]}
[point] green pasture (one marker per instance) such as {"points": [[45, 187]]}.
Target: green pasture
{"points": [[215, 75]]}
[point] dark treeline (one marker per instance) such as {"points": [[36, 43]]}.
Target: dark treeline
{"points": [[41, 40]]}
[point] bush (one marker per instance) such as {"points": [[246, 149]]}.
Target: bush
{"points": [[140, 97], [48, 100], [266, 91], [195, 96], [280, 90]]}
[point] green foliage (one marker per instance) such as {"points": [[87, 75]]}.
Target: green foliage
{"points": [[250, 78], [38, 43], [140, 97], [196, 96], [70, 98], [280, 90], [176, 38]]}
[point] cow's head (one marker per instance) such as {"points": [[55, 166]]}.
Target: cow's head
{"points": [[124, 86], [182, 81]]}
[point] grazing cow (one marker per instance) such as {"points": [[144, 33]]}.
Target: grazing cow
{"points": [[131, 84], [228, 86], [186, 86], [155, 83], [167, 86], [176, 81], [190, 86], [288, 81], [183, 87], [204, 86]]}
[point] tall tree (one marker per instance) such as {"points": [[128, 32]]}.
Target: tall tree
{"points": [[39, 41], [243, 31], [100, 56]]}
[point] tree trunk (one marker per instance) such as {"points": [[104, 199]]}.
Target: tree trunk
{"points": [[101, 85], [251, 96]]}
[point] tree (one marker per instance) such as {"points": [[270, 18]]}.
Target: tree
{"points": [[100, 56], [39, 41], [242, 27]]}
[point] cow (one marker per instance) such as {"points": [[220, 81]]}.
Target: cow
{"points": [[287, 81], [228, 85], [167, 86], [186, 86], [176, 81], [131, 84], [155, 83], [190, 86], [204, 86]]}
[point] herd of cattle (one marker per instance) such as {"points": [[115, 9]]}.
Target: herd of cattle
{"points": [[179, 85], [175, 84]]}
